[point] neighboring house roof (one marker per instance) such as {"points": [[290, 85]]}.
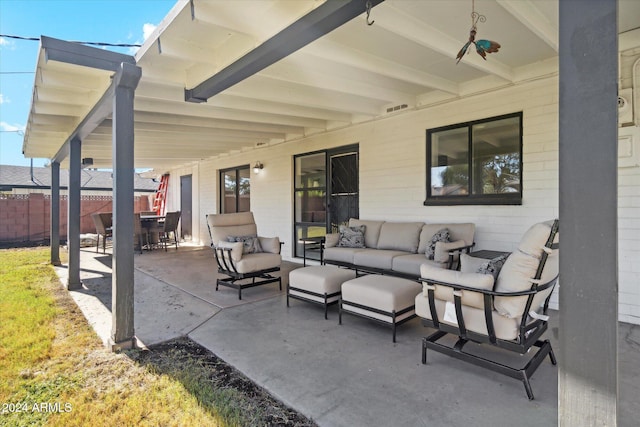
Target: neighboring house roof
{"points": [[27, 177]]}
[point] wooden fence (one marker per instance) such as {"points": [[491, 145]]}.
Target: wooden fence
{"points": [[24, 218]]}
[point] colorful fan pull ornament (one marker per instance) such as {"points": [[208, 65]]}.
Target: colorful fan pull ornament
{"points": [[482, 46]]}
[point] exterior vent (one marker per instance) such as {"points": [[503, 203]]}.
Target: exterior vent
{"points": [[397, 108], [625, 107]]}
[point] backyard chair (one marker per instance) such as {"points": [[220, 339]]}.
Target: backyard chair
{"points": [[241, 254], [169, 230], [508, 311], [103, 223]]}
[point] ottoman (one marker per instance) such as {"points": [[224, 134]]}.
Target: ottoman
{"points": [[318, 284], [390, 300]]}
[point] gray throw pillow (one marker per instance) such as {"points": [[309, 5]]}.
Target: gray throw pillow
{"points": [[441, 236], [351, 237], [493, 266], [250, 244]]}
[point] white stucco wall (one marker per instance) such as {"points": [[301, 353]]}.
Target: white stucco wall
{"points": [[629, 244], [392, 178]]}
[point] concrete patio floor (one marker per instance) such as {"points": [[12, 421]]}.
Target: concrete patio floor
{"points": [[348, 375]]}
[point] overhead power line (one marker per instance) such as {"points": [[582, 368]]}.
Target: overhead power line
{"points": [[74, 41]]}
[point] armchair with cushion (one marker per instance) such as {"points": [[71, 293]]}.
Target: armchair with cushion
{"points": [[505, 307], [241, 254]]}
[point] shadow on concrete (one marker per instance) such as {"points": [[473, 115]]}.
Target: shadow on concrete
{"points": [[338, 375]]}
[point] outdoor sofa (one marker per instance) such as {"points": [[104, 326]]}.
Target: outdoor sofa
{"points": [[397, 248]]}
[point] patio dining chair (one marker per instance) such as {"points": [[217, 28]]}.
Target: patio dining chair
{"points": [[169, 230], [241, 254], [139, 233], [103, 224], [492, 306]]}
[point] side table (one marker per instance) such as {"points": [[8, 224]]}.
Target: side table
{"points": [[487, 254], [311, 243]]}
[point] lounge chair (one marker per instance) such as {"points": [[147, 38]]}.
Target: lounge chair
{"points": [[241, 254], [508, 312]]}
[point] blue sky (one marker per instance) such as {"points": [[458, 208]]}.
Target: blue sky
{"points": [[111, 21]]}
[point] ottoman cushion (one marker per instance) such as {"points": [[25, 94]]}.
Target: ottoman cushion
{"points": [[319, 279], [383, 293]]}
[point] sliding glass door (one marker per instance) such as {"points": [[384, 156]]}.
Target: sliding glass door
{"points": [[326, 195]]}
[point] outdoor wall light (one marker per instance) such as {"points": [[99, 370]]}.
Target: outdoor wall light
{"points": [[87, 161], [257, 167]]}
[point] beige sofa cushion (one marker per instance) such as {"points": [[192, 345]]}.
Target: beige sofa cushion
{"points": [[319, 279], [520, 268], [371, 232], [550, 272], [474, 320], [469, 264], [445, 293], [270, 244], [237, 224], [341, 254], [227, 220], [256, 262], [535, 238], [457, 231], [410, 264], [442, 250], [236, 249], [400, 236], [384, 293], [331, 240], [376, 258]]}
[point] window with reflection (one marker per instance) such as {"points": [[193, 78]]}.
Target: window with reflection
{"points": [[326, 195], [235, 190], [476, 162]]}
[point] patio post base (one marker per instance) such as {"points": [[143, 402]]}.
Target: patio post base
{"points": [[122, 345]]}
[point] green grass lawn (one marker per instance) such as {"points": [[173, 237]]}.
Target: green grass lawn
{"points": [[55, 371]]}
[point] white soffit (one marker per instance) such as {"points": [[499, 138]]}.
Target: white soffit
{"points": [[352, 74]]}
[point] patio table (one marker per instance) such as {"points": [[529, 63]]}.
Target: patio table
{"points": [[151, 223]]}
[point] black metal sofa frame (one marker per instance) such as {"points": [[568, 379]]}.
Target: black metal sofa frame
{"points": [[361, 270], [398, 248]]}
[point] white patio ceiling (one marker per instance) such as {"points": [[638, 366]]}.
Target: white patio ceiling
{"points": [[353, 74]]}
